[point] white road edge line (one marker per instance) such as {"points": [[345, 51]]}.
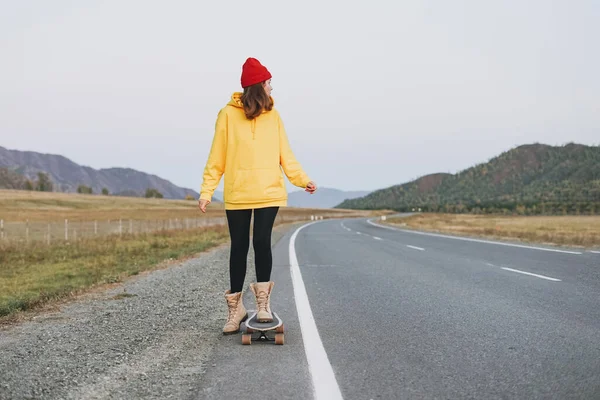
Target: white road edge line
{"points": [[595, 252], [325, 385], [415, 247], [377, 238], [529, 273], [473, 240]]}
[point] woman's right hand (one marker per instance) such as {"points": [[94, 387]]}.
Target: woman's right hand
{"points": [[311, 187], [202, 203]]}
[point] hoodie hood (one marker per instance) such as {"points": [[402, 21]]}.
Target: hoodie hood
{"points": [[236, 101]]}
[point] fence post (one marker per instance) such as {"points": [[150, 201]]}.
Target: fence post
{"points": [[130, 226], [120, 226], [66, 229], [95, 227], [2, 229]]}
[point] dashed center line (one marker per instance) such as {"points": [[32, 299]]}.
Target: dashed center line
{"points": [[415, 247], [594, 251], [529, 273], [345, 227], [377, 238], [524, 272]]}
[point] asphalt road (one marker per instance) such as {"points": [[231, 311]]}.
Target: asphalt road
{"points": [[402, 315]]}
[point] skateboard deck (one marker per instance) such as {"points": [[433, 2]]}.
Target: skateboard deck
{"points": [[261, 328]]}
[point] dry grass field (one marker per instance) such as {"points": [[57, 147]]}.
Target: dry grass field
{"points": [[34, 274], [29, 216], [581, 231], [106, 241]]}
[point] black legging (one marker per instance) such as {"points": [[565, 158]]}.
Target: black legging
{"points": [[239, 231]]}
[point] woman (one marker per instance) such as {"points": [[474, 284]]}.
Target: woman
{"points": [[249, 147]]}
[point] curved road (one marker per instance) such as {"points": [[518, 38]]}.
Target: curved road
{"points": [[407, 315]]}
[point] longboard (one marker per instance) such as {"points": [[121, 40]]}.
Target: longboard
{"points": [[252, 326]]}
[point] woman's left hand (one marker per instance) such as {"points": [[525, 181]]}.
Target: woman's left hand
{"points": [[202, 203], [311, 187]]}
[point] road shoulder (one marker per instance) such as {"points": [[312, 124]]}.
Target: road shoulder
{"points": [[151, 337]]}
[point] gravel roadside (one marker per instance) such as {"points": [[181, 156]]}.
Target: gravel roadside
{"points": [[154, 342]]}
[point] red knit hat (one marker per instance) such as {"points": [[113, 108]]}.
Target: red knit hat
{"points": [[254, 72]]}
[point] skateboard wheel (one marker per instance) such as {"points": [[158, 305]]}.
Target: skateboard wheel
{"points": [[246, 339], [279, 329], [279, 338]]}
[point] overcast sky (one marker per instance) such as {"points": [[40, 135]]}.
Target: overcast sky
{"points": [[372, 93]]}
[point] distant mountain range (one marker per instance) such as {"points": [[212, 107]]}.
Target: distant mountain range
{"points": [[323, 198], [19, 166], [533, 178]]}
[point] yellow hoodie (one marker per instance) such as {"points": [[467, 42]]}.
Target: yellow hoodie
{"points": [[250, 153]]}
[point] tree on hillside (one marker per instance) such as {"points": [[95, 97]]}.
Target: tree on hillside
{"points": [[151, 192], [44, 184], [189, 197], [105, 191], [28, 185], [84, 189], [10, 179]]}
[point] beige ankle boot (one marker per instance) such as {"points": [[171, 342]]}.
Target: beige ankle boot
{"points": [[236, 314], [262, 293]]}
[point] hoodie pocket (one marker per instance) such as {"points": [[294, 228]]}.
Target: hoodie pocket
{"points": [[256, 185]]}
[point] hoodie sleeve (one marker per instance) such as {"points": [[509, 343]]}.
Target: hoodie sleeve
{"points": [[215, 165], [291, 167]]}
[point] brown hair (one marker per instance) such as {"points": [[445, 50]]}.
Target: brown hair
{"points": [[255, 100]]}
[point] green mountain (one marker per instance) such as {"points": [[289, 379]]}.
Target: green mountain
{"points": [[529, 179]]}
